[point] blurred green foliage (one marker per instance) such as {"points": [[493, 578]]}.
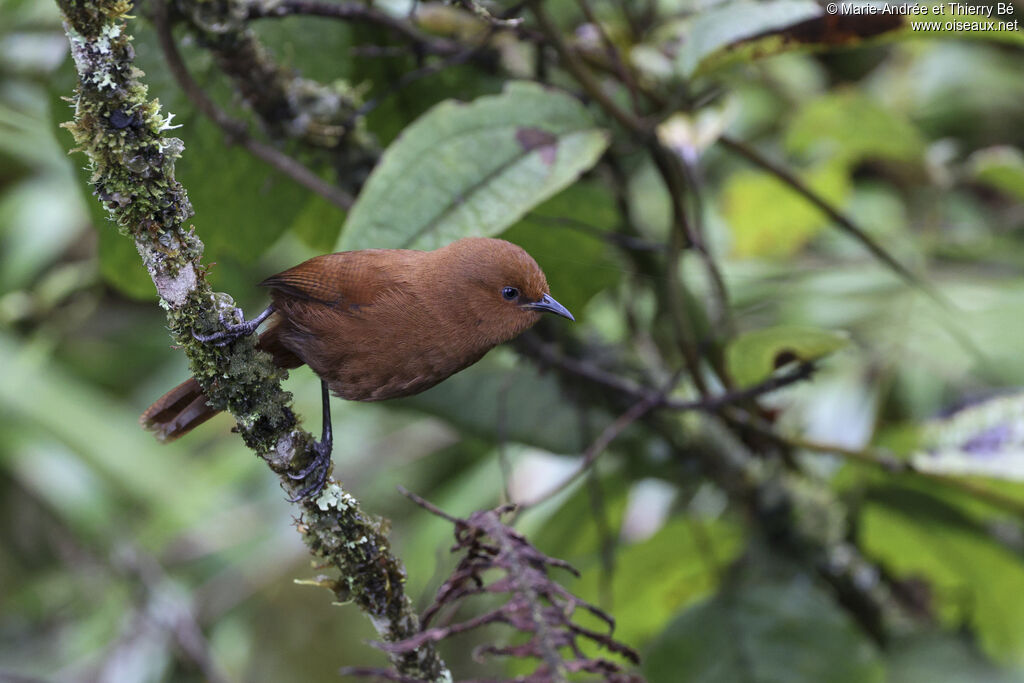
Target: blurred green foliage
{"points": [[126, 560]]}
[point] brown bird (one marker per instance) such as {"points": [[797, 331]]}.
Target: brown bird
{"points": [[379, 324]]}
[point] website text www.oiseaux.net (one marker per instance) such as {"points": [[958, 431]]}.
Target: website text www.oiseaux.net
{"points": [[955, 16]]}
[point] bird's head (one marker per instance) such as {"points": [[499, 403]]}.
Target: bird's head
{"points": [[500, 286]]}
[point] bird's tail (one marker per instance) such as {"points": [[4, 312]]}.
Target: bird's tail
{"points": [[178, 412], [184, 407]]}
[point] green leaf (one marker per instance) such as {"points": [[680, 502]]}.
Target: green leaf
{"points": [[852, 126], [318, 224], [120, 264], [754, 356], [971, 27], [746, 31], [1001, 168], [942, 658], [473, 169], [673, 568], [566, 236], [242, 205], [972, 577], [985, 439], [768, 219], [493, 399], [768, 627], [716, 30], [653, 579], [319, 50]]}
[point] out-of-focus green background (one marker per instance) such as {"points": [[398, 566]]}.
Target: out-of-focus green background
{"points": [[125, 560]]}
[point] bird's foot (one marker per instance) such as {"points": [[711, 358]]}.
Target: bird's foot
{"points": [[233, 331], [319, 467]]}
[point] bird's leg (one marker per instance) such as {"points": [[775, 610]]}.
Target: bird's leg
{"points": [[233, 331], [321, 463]]}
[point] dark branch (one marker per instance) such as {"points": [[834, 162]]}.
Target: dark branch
{"points": [[153, 208], [236, 130], [536, 605], [628, 390], [842, 221]]}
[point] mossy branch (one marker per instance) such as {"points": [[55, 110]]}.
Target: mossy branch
{"points": [[322, 116], [122, 132]]}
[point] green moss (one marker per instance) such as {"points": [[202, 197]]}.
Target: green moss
{"points": [[90, 17], [132, 164]]}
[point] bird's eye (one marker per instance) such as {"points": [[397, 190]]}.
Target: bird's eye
{"points": [[510, 293]]}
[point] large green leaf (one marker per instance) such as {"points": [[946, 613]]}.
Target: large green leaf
{"points": [[566, 235], [941, 658], [495, 400], [657, 577], [715, 30], [768, 219], [767, 627], [745, 31], [753, 356], [972, 578], [473, 169], [852, 126], [120, 264]]}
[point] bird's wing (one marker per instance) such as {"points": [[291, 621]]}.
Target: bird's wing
{"points": [[354, 278]]}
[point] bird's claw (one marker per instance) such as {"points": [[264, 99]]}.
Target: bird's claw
{"points": [[320, 465], [232, 331]]}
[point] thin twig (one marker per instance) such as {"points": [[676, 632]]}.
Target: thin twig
{"points": [[572, 62], [234, 129], [656, 399], [847, 225], [842, 221], [886, 462], [889, 463], [719, 292], [610, 433], [682, 236], [613, 53], [176, 617], [633, 391], [618, 239], [427, 505]]}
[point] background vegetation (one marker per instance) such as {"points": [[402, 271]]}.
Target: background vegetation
{"points": [[718, 191]]}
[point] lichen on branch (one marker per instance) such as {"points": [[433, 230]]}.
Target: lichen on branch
{"points": [[131, 159]]}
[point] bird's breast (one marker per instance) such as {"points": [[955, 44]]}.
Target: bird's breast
{"points": [[380, 351]]}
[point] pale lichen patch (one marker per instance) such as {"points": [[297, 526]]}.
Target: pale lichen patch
{"points": [[176, 288]]}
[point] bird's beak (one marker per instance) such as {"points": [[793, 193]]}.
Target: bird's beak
{"points": [[549, 305]]}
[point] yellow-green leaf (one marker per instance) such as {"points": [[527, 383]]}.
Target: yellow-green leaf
{"points": [[754, 356], [768, 219]]}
